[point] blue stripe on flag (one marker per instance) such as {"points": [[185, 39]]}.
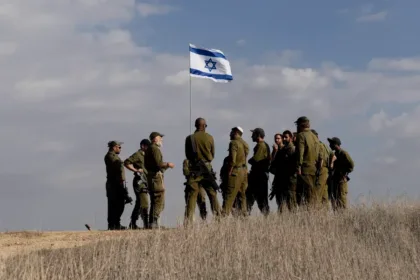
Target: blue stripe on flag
{"points": [[215, 76], [206, 52]]}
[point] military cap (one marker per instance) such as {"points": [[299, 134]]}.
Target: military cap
{"points": [[334, 140], [314, 132], [153, 135], [145, 142], [301, 120], [114, 143], [259, 131], [238, 128]]}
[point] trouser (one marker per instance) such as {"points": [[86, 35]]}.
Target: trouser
{"points": [[141, 207], [156, 188], [306, 192], [339, 194], [286, 194], [257, 191], [322, 188], [116, 203], [192, 191], [201, 202], [116, 207], [235, 192], [157, 204]]}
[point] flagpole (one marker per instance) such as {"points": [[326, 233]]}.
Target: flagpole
{"points": [[190, 91]]}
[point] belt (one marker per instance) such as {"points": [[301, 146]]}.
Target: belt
{"points": [[240, 166]]}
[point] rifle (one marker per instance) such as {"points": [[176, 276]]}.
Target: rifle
{"points": [[142, 178], [207, 173], [127, 197]]}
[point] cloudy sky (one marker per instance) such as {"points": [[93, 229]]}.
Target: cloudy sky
{"points": [[76, 74]]}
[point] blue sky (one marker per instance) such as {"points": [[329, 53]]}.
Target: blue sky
{"points": [[322, 30]]}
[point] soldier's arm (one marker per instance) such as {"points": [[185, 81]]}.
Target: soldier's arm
{"points": [[128, 163], [258, 155], [300, 149], [189, 153], [350, 163], [213, 149], [233, 151]]}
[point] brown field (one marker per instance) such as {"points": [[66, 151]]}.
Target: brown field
{"points": [[379, 242]]}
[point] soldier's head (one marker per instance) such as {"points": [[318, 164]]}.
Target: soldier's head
{"points": [[335, 143], [200, 124], [287, 137], [302, 123], [294, 136], [315, 133], [156, 138], [278, 138], [144, 144], [115, 146], [258, 134], [236, 132]]}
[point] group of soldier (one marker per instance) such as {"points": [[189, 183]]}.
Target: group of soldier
{"points": [[307, 174]]}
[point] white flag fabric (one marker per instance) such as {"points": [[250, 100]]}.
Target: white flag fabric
{"points": [[209, 64]]}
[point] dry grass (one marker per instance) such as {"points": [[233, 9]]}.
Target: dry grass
{"points": [[380, 242]]}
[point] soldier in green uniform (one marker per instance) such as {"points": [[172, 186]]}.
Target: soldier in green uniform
{"points": [[343, 165], [201, 197], [322, 185], [236, 173], [116, 191], [155, 166], [258, 176], [309, 157], [199, 146], [285, 175], [135, 163]]}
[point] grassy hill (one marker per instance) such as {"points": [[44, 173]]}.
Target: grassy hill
{"points": [[379, 242]]}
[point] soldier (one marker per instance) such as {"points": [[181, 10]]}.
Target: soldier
{"points": [[236, 173], [343, 165], [135, 163], [285, 176], [258, 176], [322, 185], [155, 167], [116, 191], [199, 148], [308, 163], [201, 197]]}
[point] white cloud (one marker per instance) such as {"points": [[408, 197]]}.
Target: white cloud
{"points": [[241, 42], [148, 9], [401, 64], [379, 16]]}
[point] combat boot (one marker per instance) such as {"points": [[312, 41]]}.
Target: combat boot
{"points": [[133, 225], [154, 223]]}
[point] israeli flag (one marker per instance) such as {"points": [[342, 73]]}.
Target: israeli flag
{"points": [[209, 64]]}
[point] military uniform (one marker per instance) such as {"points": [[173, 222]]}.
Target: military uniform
{"points": [[285, 177], [115, 188], [343, 165], [203, 150], [236, 180], [155, 180], [308, 157], [201, 197], [323, 177], [258, 178], [141, 206]]}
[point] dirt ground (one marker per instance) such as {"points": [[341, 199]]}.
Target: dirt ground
{"points": [[24, 241]]}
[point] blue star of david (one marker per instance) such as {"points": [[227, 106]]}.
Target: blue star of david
{"points": [[213, 67]]}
